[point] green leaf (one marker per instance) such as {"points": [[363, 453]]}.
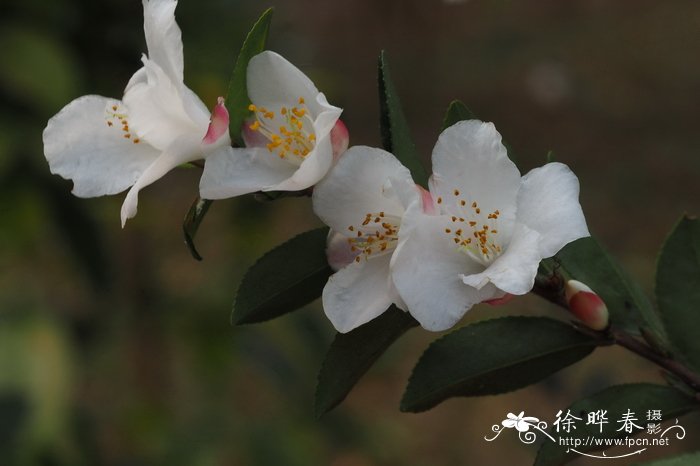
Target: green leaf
{"points": [[492, 357], [638, 398], [691, 459], [586, 260], [192, 221], [237, 100], [283, 280], [678, 289], [396, 136], [456, 112], [352, 354]]}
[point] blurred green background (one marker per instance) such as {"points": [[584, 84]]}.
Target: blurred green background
{"points": [[115, 345]]}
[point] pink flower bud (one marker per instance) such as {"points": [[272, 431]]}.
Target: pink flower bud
{"points": [[340, 139], [586, 305], [218, 125]]}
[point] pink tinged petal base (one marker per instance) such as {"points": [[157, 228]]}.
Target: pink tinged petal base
{"points": [[500, 301], [358, 293], [218, 125], [340, 139], [184, 149], [87, 142], [429, 205]]}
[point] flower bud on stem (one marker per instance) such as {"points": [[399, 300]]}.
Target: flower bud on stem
{"points": [[586, 305]]}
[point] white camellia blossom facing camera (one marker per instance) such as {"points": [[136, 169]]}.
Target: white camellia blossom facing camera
{"points": [[491, 229], [362, 199], [106, 145], [291, 142]]}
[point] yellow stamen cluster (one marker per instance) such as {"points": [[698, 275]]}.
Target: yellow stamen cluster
{"points": [[291, 137], [474, 234], [113, 115], [375, 235]]}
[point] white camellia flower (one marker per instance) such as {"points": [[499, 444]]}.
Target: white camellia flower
{"points": [[362, 199], [491, 230], [291, 141], [105, 145]]}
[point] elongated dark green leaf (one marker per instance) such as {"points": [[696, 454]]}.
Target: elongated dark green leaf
{"points": [[492, 357], [193, 219], [616, 400], [237, 100], [678, 289], [396, 136], [587, 261], [691, 459], [352, 354], [290, 276], [456, 112]]}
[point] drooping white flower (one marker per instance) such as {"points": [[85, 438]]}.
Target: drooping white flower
{"points": [[362, 199], [289, 144], [491, 230], [105, 145]]}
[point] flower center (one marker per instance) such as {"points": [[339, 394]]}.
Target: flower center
{"points": [[375, 236], [474, 232], [289, 130], [115, 117]]}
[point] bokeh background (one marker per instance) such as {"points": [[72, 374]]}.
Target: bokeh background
{"points": [[115, 345]]}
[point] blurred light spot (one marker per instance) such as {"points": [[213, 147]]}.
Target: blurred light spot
{"points": [[548, 84]]}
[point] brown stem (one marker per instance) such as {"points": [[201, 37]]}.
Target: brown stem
{"points": [[671, 365]]}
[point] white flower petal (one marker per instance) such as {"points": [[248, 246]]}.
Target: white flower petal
{"points": [[513, 271], [314, 167], [81, 146], [548, 203], [163, 36], [230, 172], [156, 107], [339, 251], [182, 150], [356, 186], [273, 81], [426, 268], [357, 293], [470, 158]]}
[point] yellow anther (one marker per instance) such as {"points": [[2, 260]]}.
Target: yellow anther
{"points": [[252, 108], [255, 126], [301, 101]]}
